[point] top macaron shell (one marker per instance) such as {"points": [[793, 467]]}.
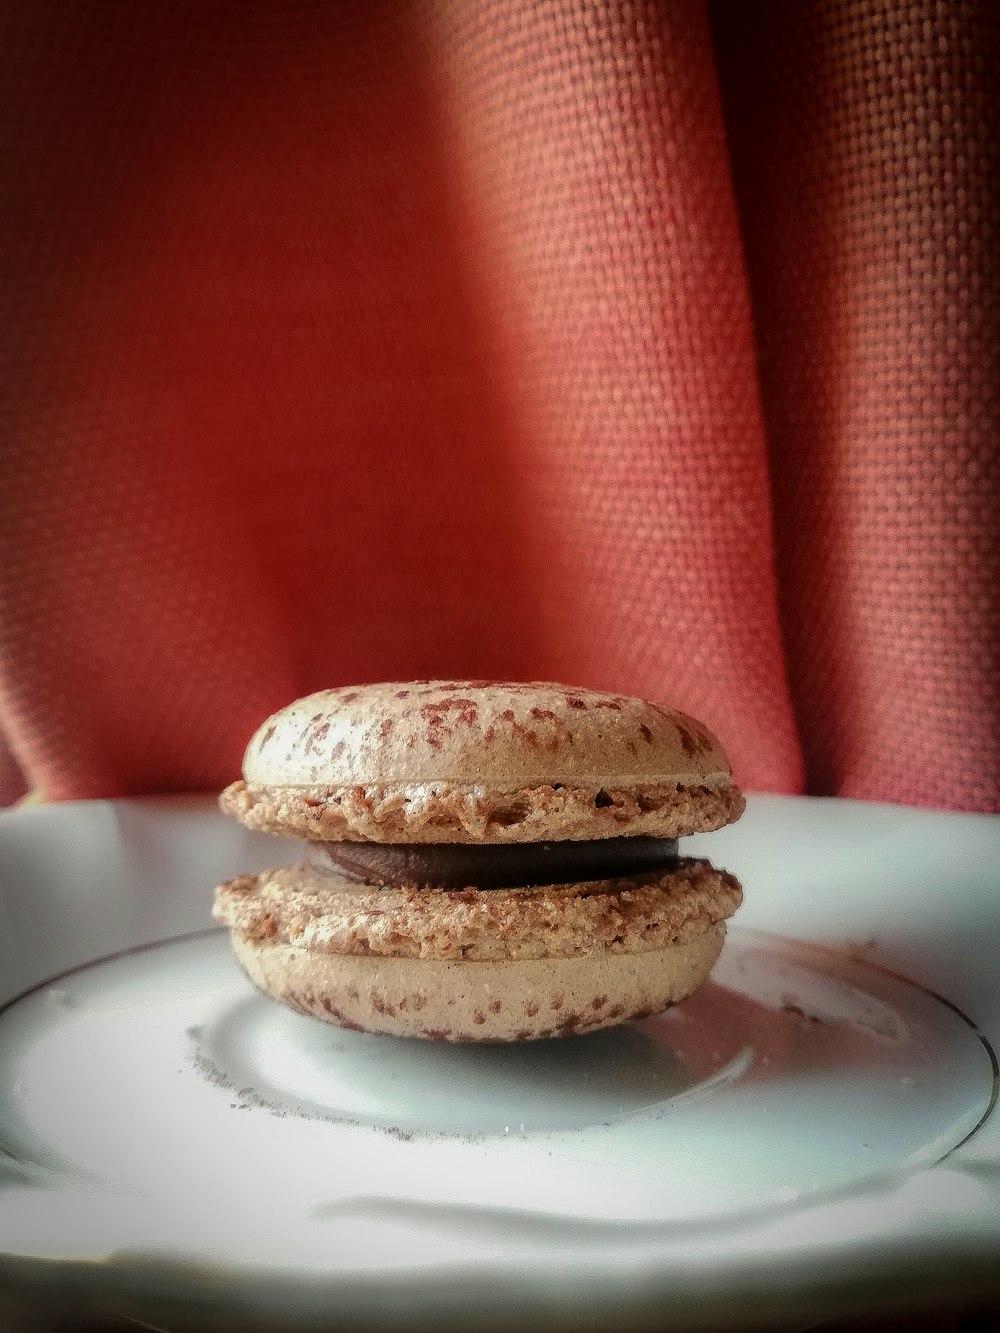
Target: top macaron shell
{"points": [[509, 736]]}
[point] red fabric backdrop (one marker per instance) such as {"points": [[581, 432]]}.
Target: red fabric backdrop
{"points": [[370, 340]]}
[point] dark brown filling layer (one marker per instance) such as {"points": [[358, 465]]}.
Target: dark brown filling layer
{"points": [[503, 866]]}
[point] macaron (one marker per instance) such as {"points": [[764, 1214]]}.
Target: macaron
{"points": [[483, 861]]}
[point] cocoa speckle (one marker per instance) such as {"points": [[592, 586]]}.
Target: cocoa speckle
{"points": [[437, 1034], [443, 715], [575, 701], [569, 1025], [315, 736], [337, 750], [688, 742], [523, 733], [267, 736], [349, 698], [599, 1001], [242, 884], [479, 1017], [525, 1034], [385, 730], [693, 740], [495, 1006], [540, 713], [402, 694], [646, 734], [490, 735], [381, 1005], [352, 993], [610, 704], [467, 709], [556, 1002], [615, 1011], [418, 1000], [266, 926], [531, 1008]]}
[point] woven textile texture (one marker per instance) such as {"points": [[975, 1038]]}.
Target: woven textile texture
{"points": [[632, 345], [865, 140]]}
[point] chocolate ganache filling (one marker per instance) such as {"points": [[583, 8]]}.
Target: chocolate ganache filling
{"points": [[497, 866]]}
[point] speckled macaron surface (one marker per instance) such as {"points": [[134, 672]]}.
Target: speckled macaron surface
{"points": [[510, 735], [389, 935], [341, 916], [459, 761]]}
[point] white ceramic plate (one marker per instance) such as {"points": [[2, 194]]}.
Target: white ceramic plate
{"points": [[813, 1131]]}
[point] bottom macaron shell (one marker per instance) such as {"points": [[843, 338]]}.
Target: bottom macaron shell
{"points": [[479, 1001]]}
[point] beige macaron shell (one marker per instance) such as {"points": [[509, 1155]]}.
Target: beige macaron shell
{"points": [[505, 736], [494, 1001], [332, 914]]}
